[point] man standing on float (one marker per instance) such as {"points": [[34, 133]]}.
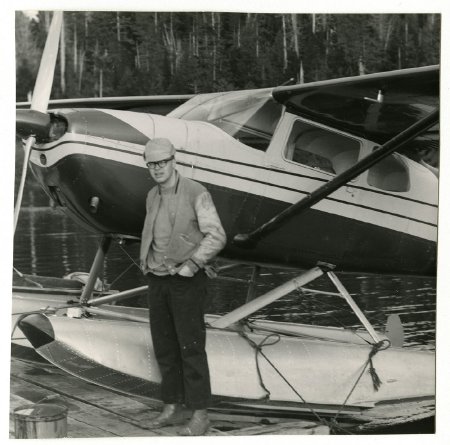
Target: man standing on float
{"points": [[182, 232]]}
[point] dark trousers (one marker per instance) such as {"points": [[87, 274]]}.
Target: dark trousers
{"points": [[177, 326]]}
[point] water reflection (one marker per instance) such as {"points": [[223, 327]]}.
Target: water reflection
{"points": [[50, 244]]}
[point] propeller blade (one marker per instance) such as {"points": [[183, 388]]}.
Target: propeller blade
{"points": [[30, 142], [44, 81], [41, 96]]}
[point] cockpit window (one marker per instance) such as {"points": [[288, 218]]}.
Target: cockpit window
{"points": [[321, 149], [390, 174], [249, 116]]}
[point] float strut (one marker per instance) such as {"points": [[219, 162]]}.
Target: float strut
{"points": [[96, 268], [107, 299], [262, 301], [362, 318]]}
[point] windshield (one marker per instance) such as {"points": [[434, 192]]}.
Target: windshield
{"points": [[249, 116]]}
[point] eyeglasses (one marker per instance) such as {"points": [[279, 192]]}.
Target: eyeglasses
{"points": [[160, 164]]}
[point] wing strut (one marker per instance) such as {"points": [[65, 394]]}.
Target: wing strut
{"points": [[251, 239]]}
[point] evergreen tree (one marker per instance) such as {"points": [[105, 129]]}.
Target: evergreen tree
{"points": [[111, 53]]}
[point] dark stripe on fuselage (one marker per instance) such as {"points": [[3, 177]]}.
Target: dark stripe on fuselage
{"points": [[384, 212], [361, 206], [300, 175]]}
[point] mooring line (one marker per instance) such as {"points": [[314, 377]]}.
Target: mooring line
{"points": [[383, 344], [375, 379]]}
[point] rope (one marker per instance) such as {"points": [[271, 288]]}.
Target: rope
{"points": [[258, 349], [21, 275], [133, 262], [375, 379], [118, 241], [383, 344], [121, 275]]}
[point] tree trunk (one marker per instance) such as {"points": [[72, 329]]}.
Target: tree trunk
{"points": [[257, 38], [80, 73], [361, 68], [75, 49], [380, 18], [62, 58], [118, 26], [173, 46], [218, 25], [192, 37], [138, 57], [239, 33], [47, 21], [214, 60], [283, 22], [301, 76], [196, 36], [214, 53], [86, 25], [406, 39], [406, 31], [313, 23], [206, 36], [295, 34], [389, 32]]}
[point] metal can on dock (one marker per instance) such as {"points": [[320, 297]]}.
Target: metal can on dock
{"points": [[40, 421]]}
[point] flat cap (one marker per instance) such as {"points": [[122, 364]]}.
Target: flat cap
{"points": [[158, 149]]}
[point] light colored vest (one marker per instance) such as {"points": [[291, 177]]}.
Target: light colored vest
{"points": [[185, 237]]}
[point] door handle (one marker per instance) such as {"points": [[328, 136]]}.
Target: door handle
{"points": [[351, 190]]}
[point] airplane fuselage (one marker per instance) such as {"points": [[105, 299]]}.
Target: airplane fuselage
{"points": [[373, 224]]}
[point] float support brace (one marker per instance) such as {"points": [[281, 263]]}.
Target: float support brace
{"points": [[362, 318], [96, 268], [118, 297], [262, 301]]}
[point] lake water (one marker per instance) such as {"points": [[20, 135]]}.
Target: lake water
{"points": [[48, 243]]}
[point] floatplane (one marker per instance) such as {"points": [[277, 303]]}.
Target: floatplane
{"points": [[303, 176]]}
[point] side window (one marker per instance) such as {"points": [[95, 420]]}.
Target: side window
{"points": [[390, 174], [321, 149]]}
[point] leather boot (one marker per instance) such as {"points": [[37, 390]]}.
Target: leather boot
{"points": [[171, 414], [197, 426]]}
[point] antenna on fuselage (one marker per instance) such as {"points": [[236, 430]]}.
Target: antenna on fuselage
{"points": [[290, 81]]}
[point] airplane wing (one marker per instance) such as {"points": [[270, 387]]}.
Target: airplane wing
{"points": [[143, 104], [376, 106]]}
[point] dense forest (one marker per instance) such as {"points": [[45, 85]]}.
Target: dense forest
{"points": [[144, 53]]}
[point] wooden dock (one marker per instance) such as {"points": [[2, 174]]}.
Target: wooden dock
{"points": [[99, 412]]}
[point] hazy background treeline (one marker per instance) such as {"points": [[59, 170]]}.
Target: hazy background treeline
{"points": [[144, 53]]}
